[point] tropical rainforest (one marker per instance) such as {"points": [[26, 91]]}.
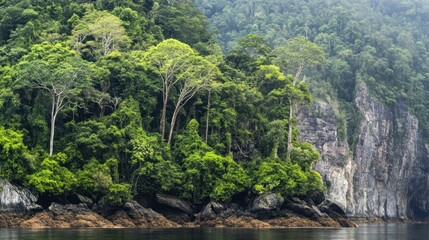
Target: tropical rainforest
{"points": [[111, 99], [115, 98]]}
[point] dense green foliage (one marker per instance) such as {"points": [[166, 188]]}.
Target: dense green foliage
{"points": [[382, 43], [138, 99]]}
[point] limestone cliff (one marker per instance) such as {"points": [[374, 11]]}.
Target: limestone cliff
{"points": [[379, 177], [318, 126]]}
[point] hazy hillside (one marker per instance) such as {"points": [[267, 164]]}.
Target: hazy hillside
{"points": [[383, 43]]}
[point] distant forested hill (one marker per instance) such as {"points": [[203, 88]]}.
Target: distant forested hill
{"points": [[383, 43]]}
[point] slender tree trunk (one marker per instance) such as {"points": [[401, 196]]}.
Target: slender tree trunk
{"points": [[163, 114], [289, 133], [208, 116], [173, 122], [101, 111], [53, 117]]}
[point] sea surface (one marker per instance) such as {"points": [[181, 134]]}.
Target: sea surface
{"points": [[365, 232]]}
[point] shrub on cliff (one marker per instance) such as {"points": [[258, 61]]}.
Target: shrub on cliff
{"points": [[285, 178], [207, 174], [52, 178]]}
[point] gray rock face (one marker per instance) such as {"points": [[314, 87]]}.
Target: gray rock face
{"points": [[136, 211], [385, 157], [380, 177], [266, 202], [319, 127], [175, 202], [16, 199]]}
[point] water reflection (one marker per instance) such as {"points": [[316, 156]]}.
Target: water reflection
{"points": [[364, 232]]}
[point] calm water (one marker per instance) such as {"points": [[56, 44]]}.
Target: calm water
{"points": [[365, 232]]}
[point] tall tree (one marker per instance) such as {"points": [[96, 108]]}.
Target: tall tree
{"points": [[99, 33], [56, 69], [199, 75], [170, 61], [298, 53]]}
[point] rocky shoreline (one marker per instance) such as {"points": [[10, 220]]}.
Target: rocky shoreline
{"points": [[265, 211], [19, 208]]}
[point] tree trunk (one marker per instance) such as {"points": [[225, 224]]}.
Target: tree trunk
{"points": [[173, 122], [208, 116], [101, 111], [289, 133], [163, 115], [53, 117]]}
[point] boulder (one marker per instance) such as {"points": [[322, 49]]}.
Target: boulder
{"points": [[57, 209], [311, 212], [175, 203], [222, 211], [140, 217], [266, 202], [317, 197], [136, 211], [16, 199], [332, 209], [207, 213], [336, 213]]}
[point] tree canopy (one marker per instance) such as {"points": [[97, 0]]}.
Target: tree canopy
{"points": [[138, 98]]}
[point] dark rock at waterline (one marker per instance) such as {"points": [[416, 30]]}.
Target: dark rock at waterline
{"points": [[58, 209], [213, 210], [207, 213], [332, 209], [136, 211], [175, 203], [337, 213], [317, 197], [311, 212], [133, 214], [266, 202]]}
